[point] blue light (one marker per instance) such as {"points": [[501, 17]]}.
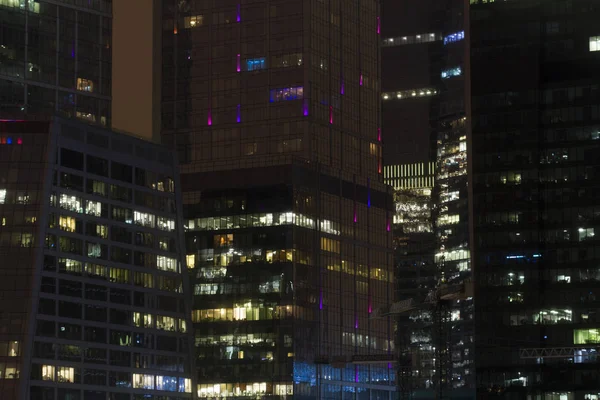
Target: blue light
{"points": [[454, 37], [449, 73], [514, 257], [8, 140], [255, 64]]}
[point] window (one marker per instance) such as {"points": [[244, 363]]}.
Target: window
{"points": [[70, 203], [85, 85], [449, 73], [255, 64], [165, 224], [586, 336], [166, 383], [166, 263], [292, 93], [66, 374], [48, 372], [454, 37], [415, 39], [193, 21], [595, 43], [68, 224], [143, 219], [2, 196]]}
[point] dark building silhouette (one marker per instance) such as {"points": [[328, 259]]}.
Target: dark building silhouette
{"points": [[535, 123]]}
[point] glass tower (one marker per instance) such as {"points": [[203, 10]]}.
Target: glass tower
{"points": [[272, 108], [55, 57]]}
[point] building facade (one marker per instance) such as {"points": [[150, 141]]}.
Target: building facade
{"points": [[55, 57], [424, 95], [535, 149], [92, 279], [272, 108]]}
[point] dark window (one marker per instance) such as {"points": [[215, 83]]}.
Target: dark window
{"points": [[120, 234], [122, 214], [44, 350], [94, 334], [42, 393], [120, 193], [95, 356], [120, 358], [121, 172], [69, 310], [45, 328], [166, 343], [69, 288], [96, 165], [119, 254], [95, 292], [48, 285], [71, 159], [47, 307], [95, 313], [120, 317], [71, 181], [120, 296]]}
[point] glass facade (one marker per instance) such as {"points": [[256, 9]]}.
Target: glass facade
{"points": [[55, 57], [92, 234], [272, 108], [535, 189]]}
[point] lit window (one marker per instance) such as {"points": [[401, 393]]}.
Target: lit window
{"points": [[65, 374], [67, 223], [595, 43], [143, 219], [70, 203], [190, 260], [2, 196], [166, 383], [292, 93], [48, 372], [166, 263], [165, 224], [193, 21], [143, 381], [185, 385], [255, 64], [454, 37], [85, 85], [586, 336], [449, 73]]}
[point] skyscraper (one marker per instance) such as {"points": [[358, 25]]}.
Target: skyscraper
{"points": [[424, 121], [92, 288], [273, 110], [55, 57], [535, 123]]}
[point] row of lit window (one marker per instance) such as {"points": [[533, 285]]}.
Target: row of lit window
{"points": [[268, 339], [261, 220], [242, 312], [94, 208], [409, 94], [224, 390], [543, 317], [161, 322], [414, 39], [271, 286], [140, 381], [34, 6]]}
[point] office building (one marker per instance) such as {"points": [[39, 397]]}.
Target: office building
{"points": [[415, 273], [535, 123], [272, 108], [424, 121], [55, 57], [92, 287]]}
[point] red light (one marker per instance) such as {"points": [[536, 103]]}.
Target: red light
{"points": [[19, 141], [3, 141]]}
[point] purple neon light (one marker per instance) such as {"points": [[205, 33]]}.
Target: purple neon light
{"points": [[355, 216], [370, 305], [356, 322], [239, 17], [238, 67], [239, 115], [361, 80], [388, 224], [209, 121], [369, 192], [378, 25], [356, 373], [305, 107], [379, 134], [331, 114], [320, 299], [342, 88]]}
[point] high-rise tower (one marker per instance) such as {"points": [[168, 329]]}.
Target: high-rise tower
{"points": [[272, 107]]}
